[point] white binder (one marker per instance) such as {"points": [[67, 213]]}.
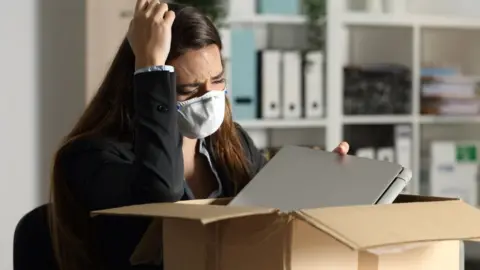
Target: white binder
{"points": [[270, 84], [241, 9], [292, 84], [403, 145], [386, 154], [367, 152], [228, 76], [226, 38], [225, 35], [403, 149], [314, 85]]}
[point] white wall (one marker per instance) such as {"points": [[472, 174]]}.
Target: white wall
{"points": [[18, 132], [41, 72]]}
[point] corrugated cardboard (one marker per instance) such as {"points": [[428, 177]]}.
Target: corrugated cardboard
{"points": [[413, 233]]}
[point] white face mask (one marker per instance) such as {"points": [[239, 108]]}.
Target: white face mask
{"points": [[200, 117]]}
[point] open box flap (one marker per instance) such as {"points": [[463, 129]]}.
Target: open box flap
{"points": [[364, 227], [203, 213]]}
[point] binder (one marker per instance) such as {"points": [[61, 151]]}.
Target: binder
{"points": [[313, 87], [403, 145], [292, 84], [228, 75], [226, 41], [395, 6], [269, 86], [386, 154], [367, 152], [226, 37], [280, 7], [241, 8], [243, 62], [403, 149], [375, 6]]}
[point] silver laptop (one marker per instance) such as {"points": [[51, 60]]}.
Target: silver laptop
{"points": [[301, 178]]}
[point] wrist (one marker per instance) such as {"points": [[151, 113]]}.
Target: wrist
{"points": [[144, 63]]}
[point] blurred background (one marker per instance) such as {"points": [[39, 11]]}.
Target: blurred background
{"points": [[397, 79]]}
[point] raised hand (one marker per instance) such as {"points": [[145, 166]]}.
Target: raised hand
{"points": [[150, 33]]}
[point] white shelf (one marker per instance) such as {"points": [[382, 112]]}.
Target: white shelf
{"points": [[282, 123], [378, 119], [448, 22], [267, 19], [358, 120], [365, 19], [407, 20], [449, 119]]}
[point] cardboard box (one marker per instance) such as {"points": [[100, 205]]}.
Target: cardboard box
{"points": [[413, 233]]}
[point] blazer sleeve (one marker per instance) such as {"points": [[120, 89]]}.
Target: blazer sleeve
{"points": [[102, 178]]}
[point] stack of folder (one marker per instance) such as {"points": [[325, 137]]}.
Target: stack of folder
{"points": [[271, 83], [446, 91], [274, 84]]}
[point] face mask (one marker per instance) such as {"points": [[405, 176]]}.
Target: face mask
{"points": [[200, 117]]}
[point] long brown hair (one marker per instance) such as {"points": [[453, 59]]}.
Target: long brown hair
{"points": [[109, 114]]}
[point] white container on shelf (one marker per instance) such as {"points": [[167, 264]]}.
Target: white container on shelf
{"points": [[241, 9], [395, 6], [357, 5], [454, 170], [375, 6]]}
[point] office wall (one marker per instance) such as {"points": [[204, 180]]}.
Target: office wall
{"points": [[19, 128], [41, 95]]}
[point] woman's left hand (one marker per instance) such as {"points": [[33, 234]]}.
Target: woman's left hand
{"points": [[342, 149]]}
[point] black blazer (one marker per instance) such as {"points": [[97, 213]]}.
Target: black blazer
{"points": [[104, 173]]}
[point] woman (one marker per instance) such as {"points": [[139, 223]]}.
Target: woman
{"points": [[158, 130]]}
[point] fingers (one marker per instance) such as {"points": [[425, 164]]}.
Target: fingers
{"points": [[159, 12], [140, 5], [152, 6], [169, 18], [342, 148]]}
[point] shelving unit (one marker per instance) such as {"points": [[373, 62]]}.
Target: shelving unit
{"points": [[410, 39], [417, 26], [340, 24]]}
